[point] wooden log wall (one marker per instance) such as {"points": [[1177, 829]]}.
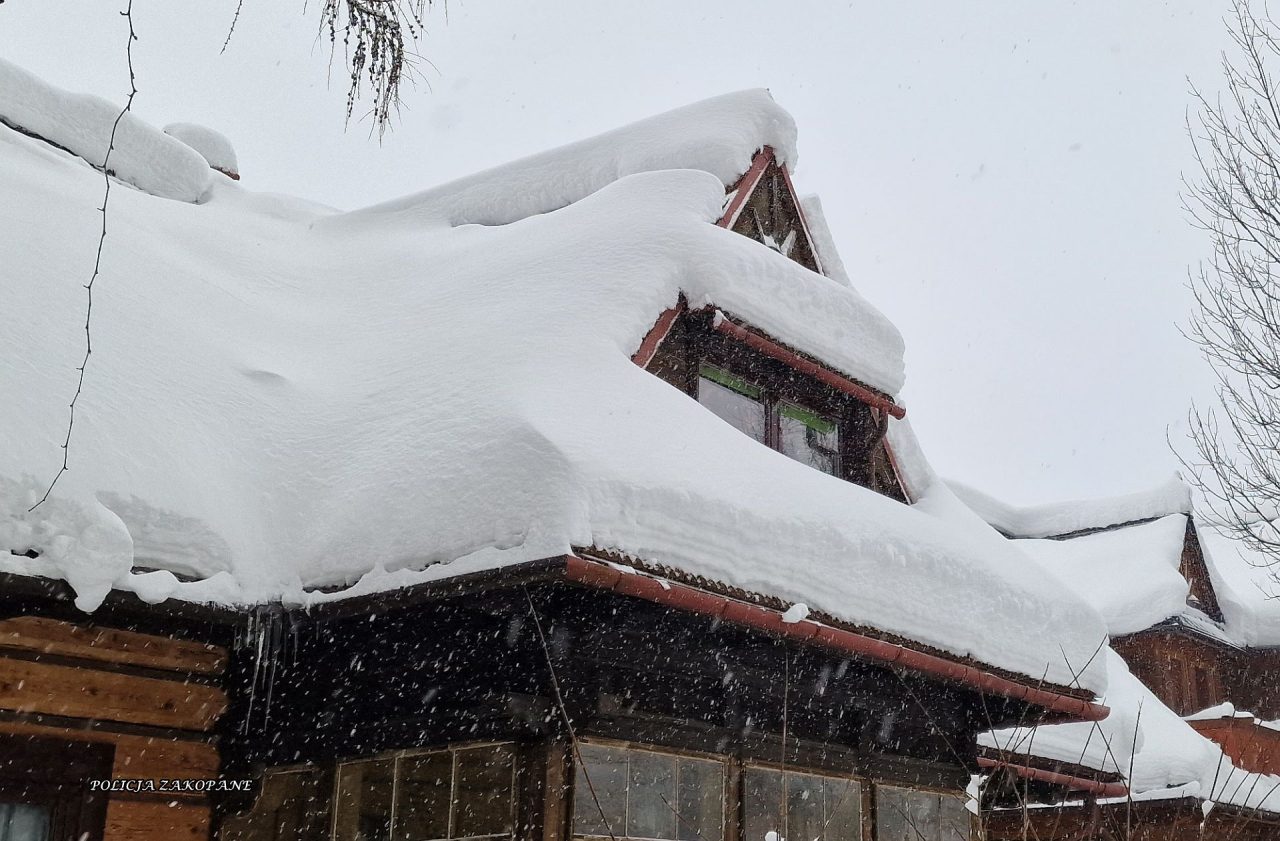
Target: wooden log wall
{"points": [[153, 699]]}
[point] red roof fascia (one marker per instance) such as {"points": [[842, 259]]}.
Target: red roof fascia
{"points": [[746, 186], [1096, 787], [659, 591], [644, 354], [793, 360]]}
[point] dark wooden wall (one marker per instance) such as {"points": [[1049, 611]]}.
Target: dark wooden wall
{"points": [[473, 668]]}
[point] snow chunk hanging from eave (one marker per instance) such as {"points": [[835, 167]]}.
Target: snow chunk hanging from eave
{"points": [[1059, 518], [718, 135], [213, 146], [82, 124]]}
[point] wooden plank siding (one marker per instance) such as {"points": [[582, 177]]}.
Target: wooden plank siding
{"points": [[110, 645], [166, 819], [75, 692], [153, 700]]}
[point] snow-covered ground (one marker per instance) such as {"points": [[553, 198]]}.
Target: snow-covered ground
{"points": [[283, 397]]}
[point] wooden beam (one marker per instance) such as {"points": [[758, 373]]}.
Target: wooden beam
{"points": [[166, 820], [28, 687], [109, 645], [136, 757]]}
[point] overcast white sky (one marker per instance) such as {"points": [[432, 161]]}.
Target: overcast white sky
{"points": [[1002, 177]]}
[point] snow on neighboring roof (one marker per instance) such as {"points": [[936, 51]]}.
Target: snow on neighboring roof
{"points": [[1248, 587], [1158, 753], [143, 156], [214, 147], [1130, 575], [282, 398], [1059, 518]]}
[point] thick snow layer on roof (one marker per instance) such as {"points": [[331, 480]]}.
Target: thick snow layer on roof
{"points": [[1129, 575], [142, 155], [718, 135], [1058, 518], [1248, 588], [282, 398], [213, 146], [1147, 743]]}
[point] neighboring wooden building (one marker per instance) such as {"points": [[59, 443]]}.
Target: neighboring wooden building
{"points": [[1194, 666]]}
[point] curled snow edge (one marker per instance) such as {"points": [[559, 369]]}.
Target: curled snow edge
{"points": [[82, 124]]}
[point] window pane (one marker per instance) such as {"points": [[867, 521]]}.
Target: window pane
{"points": [[484, 792], [744, 413], [762, 803], [651, 796], [23, 822], [892, 815], [422, 804], [956, 820], [844, 810], [700, 798], [810, 438], [804, 808], [607, 770], [922, 807], [364, 801]]}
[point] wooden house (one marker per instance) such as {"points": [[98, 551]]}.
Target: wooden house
{"points": [[602, 691], [1197, 661]]}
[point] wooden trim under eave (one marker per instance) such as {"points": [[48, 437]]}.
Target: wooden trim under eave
{"points": [[745, 186]]}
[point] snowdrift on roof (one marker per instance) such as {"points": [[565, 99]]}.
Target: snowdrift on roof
{"points": [[1130, 574], [1248, 587], [141, 155], [1059, 518], [281, 399], [1158, 753]]}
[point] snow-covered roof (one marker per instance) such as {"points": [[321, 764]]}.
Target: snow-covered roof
{"points": [[1059, 518], [283, 397], [1248, 587], [1159, 754], [141, 155], [1129, 574]]}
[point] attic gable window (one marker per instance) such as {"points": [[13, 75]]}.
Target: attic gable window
{"points": [[794, 430]]}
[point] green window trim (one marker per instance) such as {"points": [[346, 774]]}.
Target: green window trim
{"points": [[809, 418], [719, 376]]}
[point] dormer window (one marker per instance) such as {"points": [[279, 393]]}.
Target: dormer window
{"points": [[792, 429]]}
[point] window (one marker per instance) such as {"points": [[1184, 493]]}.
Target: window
{"points": [[643, 794], [292, 806], [904, 814], [800, 807], [809, 438], [734, 401], [796, 431], [23, 822], [432, 796]]}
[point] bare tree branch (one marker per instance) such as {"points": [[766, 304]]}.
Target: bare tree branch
{"points": [[97, 260], [1235, 198]]}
